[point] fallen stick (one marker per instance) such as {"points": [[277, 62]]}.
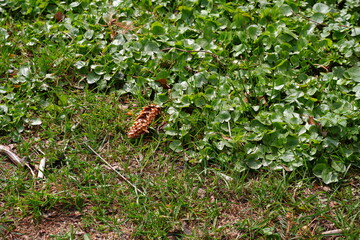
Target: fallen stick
{"points": [[15, 159], [41, 168], [12, 156], [122, 176], [333, 232]]}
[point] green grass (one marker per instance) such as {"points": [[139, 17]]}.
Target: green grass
{"points": [[192, 201], [184, 195]]}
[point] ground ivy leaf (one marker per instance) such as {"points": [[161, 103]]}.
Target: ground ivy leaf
{"points": [[254, 163], [4, 108], [253, 31], [162, 98], [329, 176], [354, 73], [119, 40], [286, 10], [321, 8], [319, 168], [98, 69], [89, 34], [224, 116], [199, 101], [288, 156], [80, 64], [3, 34], [338, 166], [151, 47], [74, 4], [35, 121], [356, 89], [176, 146], [157, 28], [25, 70], [318, 17], [355, 31], [92, 78], [117, 3]]}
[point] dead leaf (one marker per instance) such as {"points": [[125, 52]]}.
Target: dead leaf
{"points": [[123, 107], [59, 16], [286, 168], [161, 127], [163, 83], [176, 234], [323, 133], [226, 137], [263, 100], [311, 121]]}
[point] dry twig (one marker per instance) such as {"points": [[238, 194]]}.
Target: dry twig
{"points": [[333, 232], [15, 158], [41, 168], [122, 176]]}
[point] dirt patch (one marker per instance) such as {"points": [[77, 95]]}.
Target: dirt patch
{"points": [[57, 224]]}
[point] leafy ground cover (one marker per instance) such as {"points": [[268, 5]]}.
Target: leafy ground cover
{"points": [[260, 111]]}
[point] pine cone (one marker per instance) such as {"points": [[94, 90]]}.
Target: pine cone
{"points": [[143, 121]]}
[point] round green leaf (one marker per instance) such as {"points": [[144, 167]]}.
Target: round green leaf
{"points": [[253, 31], [98, 69], [162, 98], [119, 40], [89, 34], [25, 70], [210, 93], [157, 28], [74, 4], [4, 108], [286, 10], [80, 64], [338, 166], [319, 168], [254, 163], [3, 34], [318, 17], [329, 176], [321, 8], [176, 146], [354, 73], [355, 31], [35, 121], [224, 116], [92, 78]]}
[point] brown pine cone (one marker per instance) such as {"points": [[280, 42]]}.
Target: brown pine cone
{"points": [[143, 121]]}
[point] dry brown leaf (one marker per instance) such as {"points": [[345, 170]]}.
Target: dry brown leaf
{"points": [[263, 100], [311, 120], [226, 137], [286, 168], [163, 83], [59, 16]]}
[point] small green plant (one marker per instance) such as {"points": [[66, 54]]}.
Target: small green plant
{"points": [[258, 135], [271, 86]]}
